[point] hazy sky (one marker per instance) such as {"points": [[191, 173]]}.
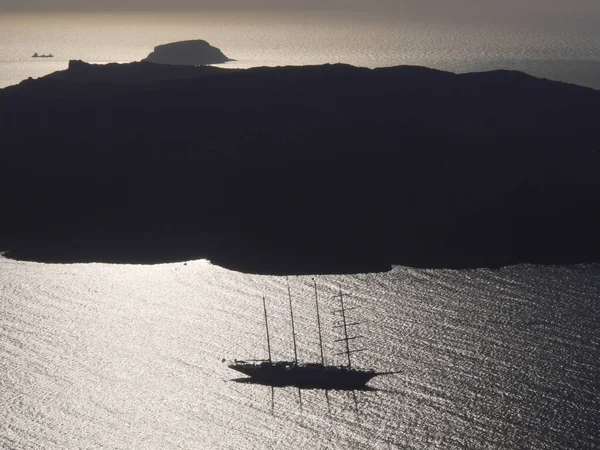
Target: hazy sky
{"points": [[400, 7]]}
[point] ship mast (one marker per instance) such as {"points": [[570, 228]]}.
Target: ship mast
{"points": [[267, 328], [292, 316], [346, 338], [345, 325], [319, 324]]}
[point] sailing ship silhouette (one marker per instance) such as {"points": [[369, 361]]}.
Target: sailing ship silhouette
{"points": [[309, 375]]}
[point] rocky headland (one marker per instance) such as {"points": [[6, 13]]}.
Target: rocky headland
{"points": [[328, 168]]}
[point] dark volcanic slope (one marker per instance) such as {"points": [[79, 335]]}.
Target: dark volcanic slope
{"points": [[300, 169]]}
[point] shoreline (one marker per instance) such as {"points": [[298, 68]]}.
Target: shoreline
{"points": [[276, 265], [139, 254]]}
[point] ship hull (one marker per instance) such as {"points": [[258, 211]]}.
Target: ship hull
{"points": [[308, 376]]}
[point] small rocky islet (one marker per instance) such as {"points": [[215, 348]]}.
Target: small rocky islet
{"points": [[187, 53]]}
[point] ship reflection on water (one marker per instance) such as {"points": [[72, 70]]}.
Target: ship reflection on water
{"points": [[353, 391]]}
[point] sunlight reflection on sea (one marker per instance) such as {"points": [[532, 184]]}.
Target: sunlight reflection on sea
{"points": [[126, 356], [567, 52]]}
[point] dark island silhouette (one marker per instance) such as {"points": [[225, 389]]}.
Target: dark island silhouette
{"points": [[315, 169], [187, 53], [139, 73]]}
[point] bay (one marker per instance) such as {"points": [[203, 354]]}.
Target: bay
{"points": [[130, 356]]}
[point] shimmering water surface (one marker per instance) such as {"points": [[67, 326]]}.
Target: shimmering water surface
{"points": [[126, 356], [562, 49]]}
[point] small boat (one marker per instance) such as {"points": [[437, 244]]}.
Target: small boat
{"points": [[36, 55], [308, 375]]}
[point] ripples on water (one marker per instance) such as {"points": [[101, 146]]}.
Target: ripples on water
{"points": [[562, 50], [110, 356]]}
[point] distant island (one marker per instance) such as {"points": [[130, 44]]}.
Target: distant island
{"points": [[187, 53], [314, 169]]}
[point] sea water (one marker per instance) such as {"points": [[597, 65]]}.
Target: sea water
{"points": [[131, 356], [560, 49]]}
